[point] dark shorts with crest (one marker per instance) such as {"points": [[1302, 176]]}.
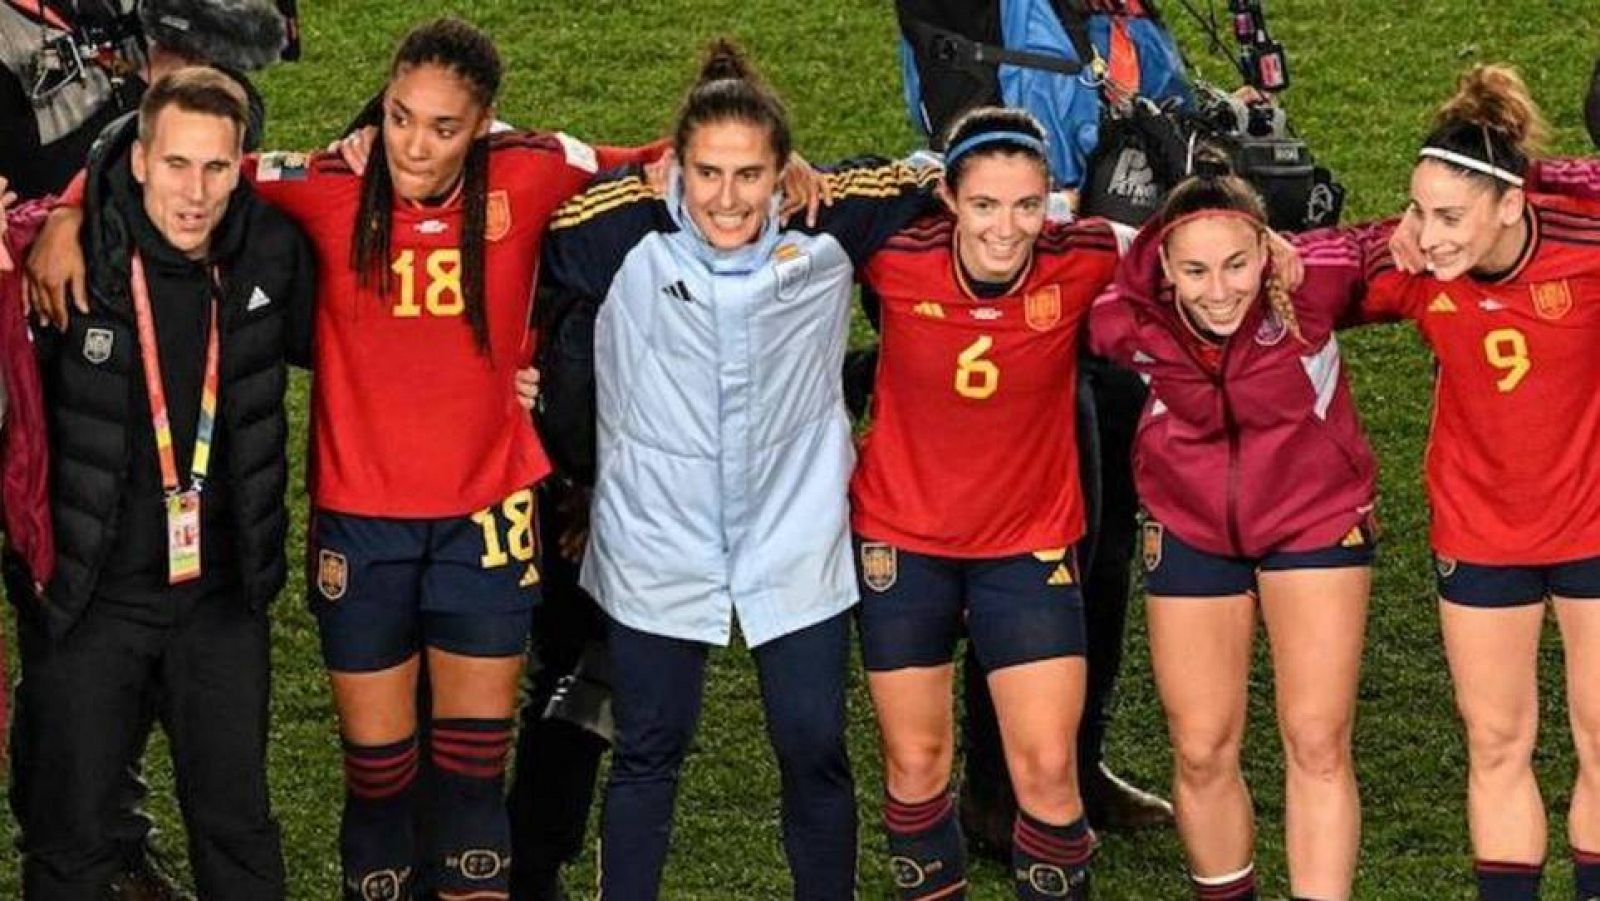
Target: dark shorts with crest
{"points": [[1015, 610], [1173, 568], [1482, 585], [383, 589]]}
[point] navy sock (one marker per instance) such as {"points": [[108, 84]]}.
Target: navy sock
{"points": [[377, 845], [1050, 861], [1585, 875], [926, 850], [471, 857], [1240, 886], [1505, 881]]}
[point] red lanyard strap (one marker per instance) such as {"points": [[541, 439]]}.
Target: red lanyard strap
{"points": [[158, 394]]}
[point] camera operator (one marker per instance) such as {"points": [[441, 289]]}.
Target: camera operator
{"points": [[69, 67]]}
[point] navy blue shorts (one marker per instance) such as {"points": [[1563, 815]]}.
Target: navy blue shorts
{"points": [[1480, 585], [1015, 609], [1175, 569], [382, 589]]}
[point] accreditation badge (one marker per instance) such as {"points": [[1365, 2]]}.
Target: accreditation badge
{"points": [[183, 536]]}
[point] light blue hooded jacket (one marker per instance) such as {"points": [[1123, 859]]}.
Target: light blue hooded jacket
{"points": [[724, 450]]}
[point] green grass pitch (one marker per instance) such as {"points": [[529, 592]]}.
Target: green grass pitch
{"points": [[1367, 73]]}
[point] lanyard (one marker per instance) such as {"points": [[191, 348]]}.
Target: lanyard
{"points": [[158, 394]]}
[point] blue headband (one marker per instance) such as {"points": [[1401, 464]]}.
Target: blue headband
{"points": [[1010, 137]]}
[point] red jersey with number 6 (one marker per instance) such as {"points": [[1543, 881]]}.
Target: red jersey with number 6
{"points": [[409, 418], [973, 448], [1512, 469]]}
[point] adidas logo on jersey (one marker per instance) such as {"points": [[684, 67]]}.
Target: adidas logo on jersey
{"points": [[929, 309], [1442, 304], [1061, 576], [529, 578], [678, 291]]}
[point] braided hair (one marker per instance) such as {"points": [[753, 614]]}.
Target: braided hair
{"points": [[1215, 188], [469, 54]]}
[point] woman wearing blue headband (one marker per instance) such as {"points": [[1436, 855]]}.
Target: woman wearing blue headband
{"points": [[982, 303]]}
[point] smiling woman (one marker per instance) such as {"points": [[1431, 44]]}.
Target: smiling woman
{"points": [[718, 337]]}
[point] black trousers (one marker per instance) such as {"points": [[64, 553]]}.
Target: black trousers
{"points": [[1109, 402], [197, 664], [557, 761]]}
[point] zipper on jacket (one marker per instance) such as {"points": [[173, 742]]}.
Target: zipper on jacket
{"points": [[1229, 425], [1232, 429]]}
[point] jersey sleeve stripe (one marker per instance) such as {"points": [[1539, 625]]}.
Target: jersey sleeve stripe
{"points": [[572, 215]]}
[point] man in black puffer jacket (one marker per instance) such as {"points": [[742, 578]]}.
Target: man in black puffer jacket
{"points": [[170, 527]]}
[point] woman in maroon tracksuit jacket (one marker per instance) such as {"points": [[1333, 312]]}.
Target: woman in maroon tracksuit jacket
{"points": [[1259, 486]]}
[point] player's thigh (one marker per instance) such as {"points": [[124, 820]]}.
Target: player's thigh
{"points": [[911, 612], [1316, 625], [1024, 608], [364, 588], [1576, 593], [1492, 652], [1202, 614], [482, 581]]}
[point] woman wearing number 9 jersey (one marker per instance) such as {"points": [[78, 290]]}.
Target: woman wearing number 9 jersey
{"points": [[1510, 305]]}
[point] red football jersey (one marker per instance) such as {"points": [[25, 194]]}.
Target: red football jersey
{"points": [[973, 446], [409, 418], [1512, 470]]}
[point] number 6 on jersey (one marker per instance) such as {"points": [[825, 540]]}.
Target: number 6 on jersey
{"points": [[976, 377]]}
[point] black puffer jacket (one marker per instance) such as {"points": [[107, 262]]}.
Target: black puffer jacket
{"points": [[268, 282]]}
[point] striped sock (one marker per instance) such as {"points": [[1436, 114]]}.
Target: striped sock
{"points": [[1050, 861], [471, 857], [926, 851], [1237, 886], [1585, 875], [1506, 881], [377, 846]]}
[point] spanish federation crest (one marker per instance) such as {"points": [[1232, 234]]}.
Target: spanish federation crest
{"points": [[1151, 545], [97, 345], [1271, 330], [1042, 308], [1552, 300], [497, 216], [880, 565], [792, 266], [333, 574]]}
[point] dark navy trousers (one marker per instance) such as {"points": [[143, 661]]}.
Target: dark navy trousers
{"points": [[658, 683]]}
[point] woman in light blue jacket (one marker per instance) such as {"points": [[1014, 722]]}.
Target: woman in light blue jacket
{"points": [[724, 453]]}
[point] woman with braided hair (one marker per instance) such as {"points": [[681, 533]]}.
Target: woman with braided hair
{"points": [[1259, 487]]}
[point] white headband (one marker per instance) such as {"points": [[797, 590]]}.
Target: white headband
{"points": [[1476, 165]]}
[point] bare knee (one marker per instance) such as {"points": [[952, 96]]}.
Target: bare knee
{"points": [[1318, 749], [916, 771], [1500, 745], [1043, 777], [1205, 760]]}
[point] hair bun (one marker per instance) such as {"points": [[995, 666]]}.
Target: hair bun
{"points": [[725, 60], [1210, 162]]}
